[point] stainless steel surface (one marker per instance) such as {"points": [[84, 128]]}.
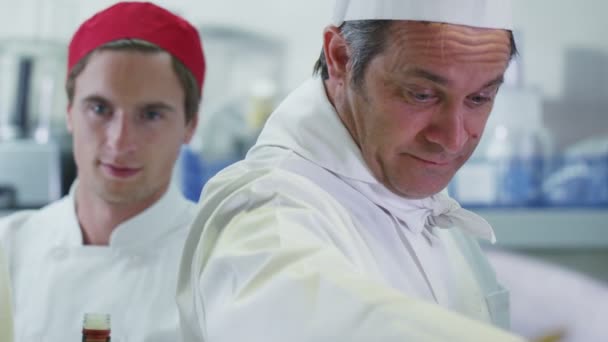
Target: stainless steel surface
{"points": [[33, 106], [5, 212], [32, 170], [7, 196], [557, 228], [32, 98]]}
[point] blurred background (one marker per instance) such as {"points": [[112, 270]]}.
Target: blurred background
{"points": [[540, 174]]}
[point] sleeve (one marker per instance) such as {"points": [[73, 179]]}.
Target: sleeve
{"points": [[267, 267]]}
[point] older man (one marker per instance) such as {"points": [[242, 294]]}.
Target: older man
{"points": [[334, 227]]}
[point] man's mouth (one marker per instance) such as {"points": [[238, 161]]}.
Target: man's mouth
{"points": [[120, 171], [431, 161]]}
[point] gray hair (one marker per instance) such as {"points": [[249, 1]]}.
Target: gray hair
{"points": [[366, 39]]}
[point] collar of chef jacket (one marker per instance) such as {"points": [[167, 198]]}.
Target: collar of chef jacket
{"points": [[144, 230], [307, 123]]}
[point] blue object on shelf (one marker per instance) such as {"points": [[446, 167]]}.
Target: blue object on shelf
{"points": [[195, 172], [570, 181], [521, 182], [192, 174], [507, 182], [578, 181]]}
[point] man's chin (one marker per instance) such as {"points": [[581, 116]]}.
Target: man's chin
{"points": [[418, 190], [120, 194], [120, 198]]}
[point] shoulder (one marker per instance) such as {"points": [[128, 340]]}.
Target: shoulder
{"points": [[22, 222], [9, 224], [251, 184], [242, 205]]}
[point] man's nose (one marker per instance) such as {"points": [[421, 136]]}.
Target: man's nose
{"points": [[447, 129], [121, 133]]}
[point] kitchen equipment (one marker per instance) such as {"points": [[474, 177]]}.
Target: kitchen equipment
{"points": [[7, 197], [513, 156], [580, 177], [31, 171], [33, 131], [241, 89], [32, 96]]}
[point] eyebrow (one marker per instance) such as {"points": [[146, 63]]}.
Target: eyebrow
{"points": [[154, 105], [94, 98], [422, 73], [158, 105]]}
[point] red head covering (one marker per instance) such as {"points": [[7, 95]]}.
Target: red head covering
{"points": [[144, 21]]}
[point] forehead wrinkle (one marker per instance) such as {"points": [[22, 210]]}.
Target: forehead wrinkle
{"points": [[452, 41], [442, 37], [453, 48]]}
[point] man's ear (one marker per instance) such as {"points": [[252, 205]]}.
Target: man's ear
{"points": [[337, 54]]}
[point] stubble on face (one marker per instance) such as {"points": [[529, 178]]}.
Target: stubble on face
{"points": [[390, 132]]}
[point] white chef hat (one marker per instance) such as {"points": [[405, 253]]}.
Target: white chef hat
{"points": [[477, 13]]}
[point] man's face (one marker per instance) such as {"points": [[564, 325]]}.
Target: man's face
{"points": [[422, 106], [128, 123]]}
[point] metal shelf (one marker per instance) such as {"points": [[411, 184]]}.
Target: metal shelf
{"points": [[562, 228], [5, 212], [542, 229]]}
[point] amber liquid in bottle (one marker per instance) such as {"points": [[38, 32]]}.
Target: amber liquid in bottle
{"points": [[96, 328]]}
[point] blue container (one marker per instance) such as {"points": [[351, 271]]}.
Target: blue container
{"points": [[578, 182], [195, 172], [508, 182]]}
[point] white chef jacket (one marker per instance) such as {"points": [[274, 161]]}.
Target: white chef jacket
{"points": [[56, 279], [299, 242]]}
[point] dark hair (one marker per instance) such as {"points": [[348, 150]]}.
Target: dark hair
{"points": [[186, 79], [366, 39]]}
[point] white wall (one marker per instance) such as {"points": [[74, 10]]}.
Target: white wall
{"points": [[299, 23], [548, 27]]}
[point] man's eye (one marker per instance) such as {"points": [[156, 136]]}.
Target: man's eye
{"points": [[422, 97], [151, 115], [99, 109], [480, 99]]}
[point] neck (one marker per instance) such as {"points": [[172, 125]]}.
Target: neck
{"points": [[98, 217], [336, 94]]}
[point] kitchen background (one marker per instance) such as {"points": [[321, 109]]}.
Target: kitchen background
{"points": [[555, 98], [540, 175]]}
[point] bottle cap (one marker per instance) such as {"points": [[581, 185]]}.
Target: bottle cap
{"points": [[96, 321]]}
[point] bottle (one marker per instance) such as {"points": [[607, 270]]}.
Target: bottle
{"points": [[518, 146], [96, 327]]}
